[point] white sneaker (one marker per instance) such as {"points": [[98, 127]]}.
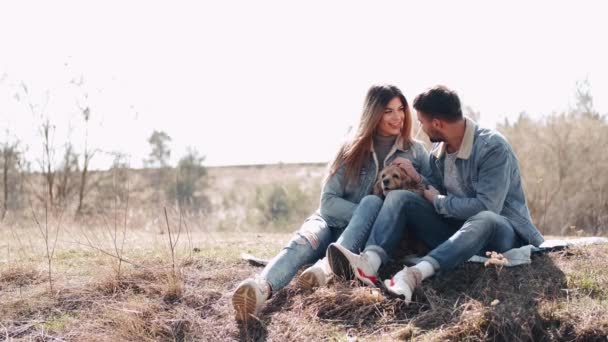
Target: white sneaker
{"points": [[404, 282], [312, 277], [348, 265], [249, 298], [316, 275]]}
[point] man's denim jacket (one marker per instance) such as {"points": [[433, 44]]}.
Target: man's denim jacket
{"points": [[339, 200], [491, 178]]}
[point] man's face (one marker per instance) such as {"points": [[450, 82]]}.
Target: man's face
{"points": [[431, 127]]}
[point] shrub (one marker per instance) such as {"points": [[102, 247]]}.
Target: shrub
{"points": [[190, 178], [282, 204]]}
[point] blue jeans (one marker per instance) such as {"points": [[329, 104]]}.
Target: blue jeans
{"points": [[452, 241], [312, 239]]}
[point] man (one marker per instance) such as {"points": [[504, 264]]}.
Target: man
{"points": [[474, 201]]}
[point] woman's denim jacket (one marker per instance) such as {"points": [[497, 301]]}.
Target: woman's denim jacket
{"points": [[339, 200], [491, 178]]}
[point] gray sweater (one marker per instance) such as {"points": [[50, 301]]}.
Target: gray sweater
{"points": [[382, 146]]}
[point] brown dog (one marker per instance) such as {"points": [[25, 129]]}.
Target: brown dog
{"points": [[394, 177]]}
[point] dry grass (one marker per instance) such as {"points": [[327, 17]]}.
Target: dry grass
{"points": [[561, 296], [20, 275]]}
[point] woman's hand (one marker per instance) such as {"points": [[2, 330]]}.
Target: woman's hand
{"points": [[408, 167]]}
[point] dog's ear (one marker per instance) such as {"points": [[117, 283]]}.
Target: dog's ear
{"points": [[407, 182], [378, 188], [405, 178]]}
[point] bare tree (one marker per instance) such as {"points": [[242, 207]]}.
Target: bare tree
{"points": [[10, 158], [86, 157], [64, 174], [47, 133]]}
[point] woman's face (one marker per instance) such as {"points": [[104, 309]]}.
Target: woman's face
{"points": [[392, 118]]}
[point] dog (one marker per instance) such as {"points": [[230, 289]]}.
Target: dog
{"points": [[394, 177]]}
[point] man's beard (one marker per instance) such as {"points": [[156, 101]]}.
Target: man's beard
{"points": [[435, 137]]}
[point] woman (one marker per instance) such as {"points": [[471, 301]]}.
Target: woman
{"points": [[384, 134]]}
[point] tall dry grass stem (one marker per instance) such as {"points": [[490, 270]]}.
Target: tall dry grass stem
{"points": [[46, 236], [173, 244]]}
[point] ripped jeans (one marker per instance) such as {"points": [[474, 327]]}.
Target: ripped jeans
{"points": [[310, 242]]}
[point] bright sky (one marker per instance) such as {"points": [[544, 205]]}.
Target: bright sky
{"points": [[267, 81]]}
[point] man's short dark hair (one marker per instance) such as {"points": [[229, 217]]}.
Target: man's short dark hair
{"points": [[439, 102]]}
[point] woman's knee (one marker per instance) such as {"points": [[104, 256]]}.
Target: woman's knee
{"points": [[314, 234]]}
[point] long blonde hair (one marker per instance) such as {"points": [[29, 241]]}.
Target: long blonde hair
{"points": [[354, 152]]}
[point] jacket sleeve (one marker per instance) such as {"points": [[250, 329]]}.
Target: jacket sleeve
{"points": [[422, 159], [494, 177], [430, 174], [334, 207]]}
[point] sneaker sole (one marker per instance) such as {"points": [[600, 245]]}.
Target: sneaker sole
{"points": [[308, 281], [244, 303], [339, 264]]}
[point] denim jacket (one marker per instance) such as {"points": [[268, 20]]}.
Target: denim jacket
{"points": [[339, 200], [491, 180]]}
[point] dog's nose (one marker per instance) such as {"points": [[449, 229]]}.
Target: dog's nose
{"points": [[385, 181]]}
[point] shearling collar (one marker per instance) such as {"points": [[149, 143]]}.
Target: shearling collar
{"points": [[467, 141]]}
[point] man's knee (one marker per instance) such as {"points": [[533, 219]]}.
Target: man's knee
{"points": [[371, 201], [486, 216], [485, 220], [400, 197]]}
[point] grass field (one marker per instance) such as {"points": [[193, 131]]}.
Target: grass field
{"points": [[186, 296], [118, 273]]}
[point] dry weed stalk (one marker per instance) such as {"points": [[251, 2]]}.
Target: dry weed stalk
{"points": [[118, 237], [103, 251], [8, 251], [120, 251], [173, 244], [46, 236], [174, 283], [179, 208], [21, 247], [188, 234]]}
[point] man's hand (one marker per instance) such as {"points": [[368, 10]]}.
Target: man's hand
{"points": [[430, 193], [408, 167]]}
